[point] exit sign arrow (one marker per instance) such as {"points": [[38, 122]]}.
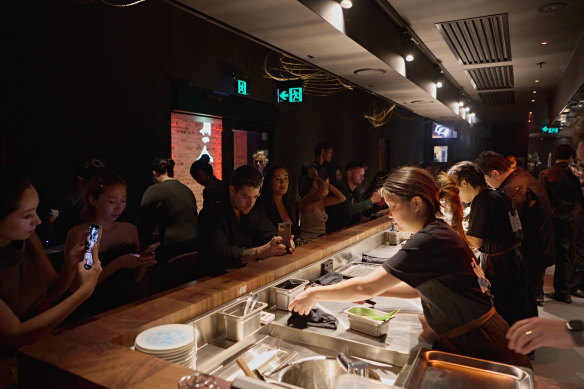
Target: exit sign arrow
{"points": [[284, 96]]}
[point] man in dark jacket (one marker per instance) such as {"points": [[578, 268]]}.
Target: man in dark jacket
{"points": [[349, 213], [563, 189], [235, 232], [533, 205]]}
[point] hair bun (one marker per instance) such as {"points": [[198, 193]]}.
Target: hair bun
{"points": [[205, 158], [170, 163]]}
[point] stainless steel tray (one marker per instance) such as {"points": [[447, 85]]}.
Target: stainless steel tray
{"points": [[437, 370], [358, 269]]}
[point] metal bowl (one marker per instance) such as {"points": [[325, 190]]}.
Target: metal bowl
{"points": [[317, 374]]}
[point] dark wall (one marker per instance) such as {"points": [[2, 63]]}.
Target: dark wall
{"points": [[91, 80]]}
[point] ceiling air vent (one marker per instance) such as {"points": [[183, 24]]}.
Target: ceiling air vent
{"points": [[497, 77], [479, 40], [498, 98]]}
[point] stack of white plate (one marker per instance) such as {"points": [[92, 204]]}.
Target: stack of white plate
{"points": [[176, 343]]}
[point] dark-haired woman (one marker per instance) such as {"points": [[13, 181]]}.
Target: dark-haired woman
{"points": [[29, 286], [105, 200], [277, 204], [436, 265], [495, 230], [171, 206], [215, 191]]}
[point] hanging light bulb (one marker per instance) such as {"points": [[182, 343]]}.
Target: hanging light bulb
{"points": [[346, 4]]}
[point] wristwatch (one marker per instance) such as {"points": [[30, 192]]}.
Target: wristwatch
{"points": [[576, 328]]}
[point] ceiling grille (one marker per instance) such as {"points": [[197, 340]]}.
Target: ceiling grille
{"points": [[497, 77], [498, 98], [478, 40]]}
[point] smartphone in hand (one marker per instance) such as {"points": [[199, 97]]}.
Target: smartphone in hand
{"points": [[284, 230], [91, 241]]}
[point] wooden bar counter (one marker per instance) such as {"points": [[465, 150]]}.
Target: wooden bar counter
{"points": [[97, 354]]}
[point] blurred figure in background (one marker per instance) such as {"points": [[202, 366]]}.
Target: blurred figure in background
{"points": [[323, 155], [260, 161], [215, 191], [565, 194], [380, 208]]}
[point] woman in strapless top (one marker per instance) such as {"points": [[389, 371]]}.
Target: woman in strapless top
{"points": [[315, 192], [123, 267]]}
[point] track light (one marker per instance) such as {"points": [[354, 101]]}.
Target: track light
{"points": [[346, 4], [438, 84]]}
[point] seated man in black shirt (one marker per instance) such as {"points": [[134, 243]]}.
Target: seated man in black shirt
{"points": [[235, 232], [348, 213]]}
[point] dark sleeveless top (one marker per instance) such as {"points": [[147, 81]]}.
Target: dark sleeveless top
{"points": [[23, 285], [119, 288]]}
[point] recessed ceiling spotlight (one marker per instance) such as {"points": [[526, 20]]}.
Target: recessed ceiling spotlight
{"points": [[461, 103], [533, 100], [552, 7], [439, 84], [346, 4], [536, 81], [531, 113], [409, 57], [369, 71], [544, 43], [534, 91], [529, 121]]}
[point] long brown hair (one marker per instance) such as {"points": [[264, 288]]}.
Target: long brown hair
{"points": [[450, 198]]}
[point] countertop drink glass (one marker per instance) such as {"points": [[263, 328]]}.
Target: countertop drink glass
{"points": [[197, 380]]}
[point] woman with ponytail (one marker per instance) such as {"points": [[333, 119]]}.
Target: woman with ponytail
{"points": [[171, 206], [437, 265]]}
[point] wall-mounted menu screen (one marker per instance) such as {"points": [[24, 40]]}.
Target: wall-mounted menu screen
{"points": [[440, 131]]}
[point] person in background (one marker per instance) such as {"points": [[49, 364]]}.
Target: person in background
{"points": [[260, 161], [337, 175], [275, 199], [315, 192], [123, 267], [532, 203], [323, 154], [495, 232], [349, 212], [376, 183], [235, 232], [528, 334], [577, 281], [512, 161], [215, 191], [69, 214], [436, 265], [30, 289], [171, 206], [563, 189]]}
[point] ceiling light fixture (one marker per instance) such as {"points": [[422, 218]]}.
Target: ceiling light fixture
{"points": [[461, 103], [531, 113], [410, 45], [544, 43], [346, 4], [533, 100], [438, 84], [552, 7], [534, 91], [536, 81]]}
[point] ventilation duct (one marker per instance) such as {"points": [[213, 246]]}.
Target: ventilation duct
{"points": [[497, 77], [497, 98]]}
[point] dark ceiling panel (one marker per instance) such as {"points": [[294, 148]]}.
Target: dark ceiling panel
{"points": [[479, 40], [498, 98], [496, 77]]}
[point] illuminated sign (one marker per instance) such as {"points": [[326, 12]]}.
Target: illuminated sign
{"points": [[240, 85], [290, 92], [440, 131], [549, 130]]}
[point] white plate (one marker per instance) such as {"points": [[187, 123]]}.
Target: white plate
{"points": [[166, 338], [163, 353]]}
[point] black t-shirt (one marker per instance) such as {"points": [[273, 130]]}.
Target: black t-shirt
{"points": [[490, 219], [442, 268]]}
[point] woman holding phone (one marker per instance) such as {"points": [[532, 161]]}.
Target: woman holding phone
{"points": [[436, 265], [278, 204], [123, 267], [29, 286]]}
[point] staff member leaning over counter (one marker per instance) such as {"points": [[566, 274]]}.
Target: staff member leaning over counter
{"points": [[235, 232], [436, 265], [29, 286]]}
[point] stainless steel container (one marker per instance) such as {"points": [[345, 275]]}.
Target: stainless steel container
{"points": [[287, 290], [238, 325], [361, 323]]}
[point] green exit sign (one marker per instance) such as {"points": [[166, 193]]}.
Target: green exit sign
{"points": [[549, 130], [289, 95], [240, 85]]}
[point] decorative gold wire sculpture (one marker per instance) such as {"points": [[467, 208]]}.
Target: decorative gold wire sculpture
{"points": [[380, 118], [315, 81]]}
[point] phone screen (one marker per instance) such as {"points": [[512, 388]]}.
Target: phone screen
{"points": [[284, 230], [91, 241]]}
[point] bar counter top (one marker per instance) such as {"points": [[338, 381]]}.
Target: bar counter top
{"points": [[97, 354]]}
